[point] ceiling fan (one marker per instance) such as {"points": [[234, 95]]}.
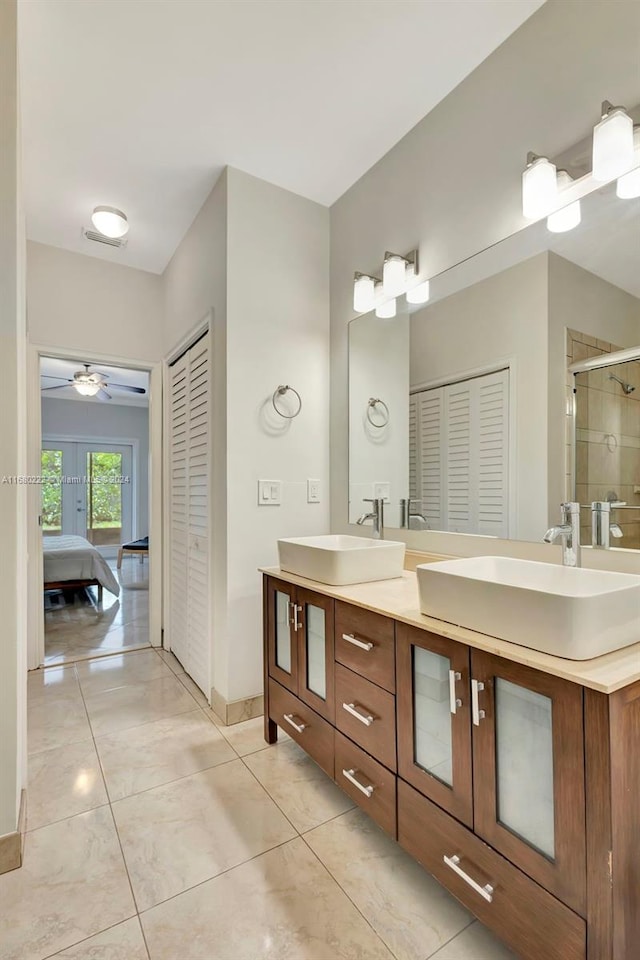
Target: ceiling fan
{"points": [[91, 383]]}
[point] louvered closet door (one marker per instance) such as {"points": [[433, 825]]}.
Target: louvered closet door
{"points": [[459, 466], [492, 454], [430, 456], [190, 538]]}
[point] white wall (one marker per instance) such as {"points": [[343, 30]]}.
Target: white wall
{"points": [[12, 443], [501, 319], [92, 306], [452, 186], [379, 368], [103, 421]]}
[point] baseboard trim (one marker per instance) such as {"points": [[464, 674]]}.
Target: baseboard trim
{"points": [[12, 844], [235, 711]]}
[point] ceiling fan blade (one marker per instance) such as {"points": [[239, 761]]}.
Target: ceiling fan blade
{"points": [[101, 374], [124, 386], [61, 386], [45, 376], [103, 395]]}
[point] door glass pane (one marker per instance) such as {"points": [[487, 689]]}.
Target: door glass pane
{"points": [[315, 640], [104, 498], [432, 714], [51, 469], [283, 635], [524, 764]]}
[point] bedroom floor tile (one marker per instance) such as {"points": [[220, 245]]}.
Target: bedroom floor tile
{"points": [[135, 704], [63, 782]]}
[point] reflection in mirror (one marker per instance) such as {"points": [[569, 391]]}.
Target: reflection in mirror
{"points": [[481, 436]]}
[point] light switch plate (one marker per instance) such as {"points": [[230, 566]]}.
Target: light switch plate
{"points": [[269, 493], [313, 491]]}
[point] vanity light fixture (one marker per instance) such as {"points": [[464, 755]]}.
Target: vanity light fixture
{"points": [[396, 271], [364, 292], [567, 217], [386, 310], [539, 187], [419, 293], [612, 143], [628, 186], [110, 222]]}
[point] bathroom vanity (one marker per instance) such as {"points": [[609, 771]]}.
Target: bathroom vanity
{"points": [[512, 776]]}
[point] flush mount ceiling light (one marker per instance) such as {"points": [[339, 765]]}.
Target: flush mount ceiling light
{"points": [[612, 143], [396, 271], [567, 217], [110, 222], [539, 187], [364, 292], [628, 186], [419, 293]]}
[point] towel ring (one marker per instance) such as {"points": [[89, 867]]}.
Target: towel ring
{"points": [[282, 389], [374, 402]]}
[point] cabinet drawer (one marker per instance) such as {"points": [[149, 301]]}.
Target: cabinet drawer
{"points": [[303, 725], [377, 791], [367, 714], [365, 643], [531, 921]]}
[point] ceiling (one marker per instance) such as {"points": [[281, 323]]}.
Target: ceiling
{"points": [[51, 367], [140, 104]]}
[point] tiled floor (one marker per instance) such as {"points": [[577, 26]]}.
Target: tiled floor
{"points": [[154, 834], [78, 630]]}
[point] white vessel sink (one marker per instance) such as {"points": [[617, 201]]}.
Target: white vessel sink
{"points": [[338, 560], [565, 611]]}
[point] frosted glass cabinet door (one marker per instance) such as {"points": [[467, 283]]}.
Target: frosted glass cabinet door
{"points": [[528, 756], [316, 651], [434, 722], [282, 638]]}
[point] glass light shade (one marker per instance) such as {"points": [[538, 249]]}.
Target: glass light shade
{"points": [[419, 294], [539, 188], [386, 310], [364, 294], [87, 389], [565, 219], [628, 186], [394, 276], [110, 222], [612, 145]]}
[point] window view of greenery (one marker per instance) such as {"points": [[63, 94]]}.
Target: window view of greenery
{"points": [[52, 492], [104, 498]]}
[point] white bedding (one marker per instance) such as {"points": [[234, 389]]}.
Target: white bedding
{"points": [[73, 558]]}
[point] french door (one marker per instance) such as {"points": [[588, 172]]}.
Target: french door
{"points": [[87, 492]]}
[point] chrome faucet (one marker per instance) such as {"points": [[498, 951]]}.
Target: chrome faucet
{"points": [[406, 516], [376, 516], [601, 527], [569, 532]]}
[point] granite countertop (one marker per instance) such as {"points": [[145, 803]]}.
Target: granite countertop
{"points": [[399, 599]]}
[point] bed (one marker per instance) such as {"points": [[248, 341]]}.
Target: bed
{"points": [[71, 562]]}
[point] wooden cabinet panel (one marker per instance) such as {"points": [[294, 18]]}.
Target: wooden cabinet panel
{"points": [[366, 714], [303, 725], [375, 787], [365, 644], [282, 641], [528, 764], [529, 920], [316, 652]]}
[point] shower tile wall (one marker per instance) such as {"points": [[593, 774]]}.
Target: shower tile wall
{"points": [[607, 436]]}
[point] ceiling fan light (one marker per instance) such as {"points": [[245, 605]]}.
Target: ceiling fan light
{"points": [[110, 222], [87, 389], [612, 143]]}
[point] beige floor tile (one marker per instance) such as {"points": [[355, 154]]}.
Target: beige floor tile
{"points": [[128, 635], [72, 884], [280, 906], [109, 673], [407, 908], [56, 722], [136, 703], [122, 942], [246, 737], [180, 834], [63, 782], [193, 689], [52, 682], [172, 662], [303, 791], [159, 752], [475, 943]]}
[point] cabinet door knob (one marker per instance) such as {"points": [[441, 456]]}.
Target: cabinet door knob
{"points": [[350, 775], [356, 712], [300, 726], [363, 644]]}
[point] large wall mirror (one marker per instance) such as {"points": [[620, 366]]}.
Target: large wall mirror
{"points": [[469, 407]]}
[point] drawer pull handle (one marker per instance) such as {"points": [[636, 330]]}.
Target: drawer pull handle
{"points": [[486, 891], [454, 701], [365, 718], [476, 687], [363, 644], [297, 624], [300, 726], [350, 775]]}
